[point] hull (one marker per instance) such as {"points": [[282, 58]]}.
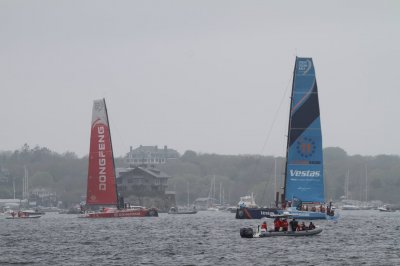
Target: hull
{"points": [[25, 217], [350, 208], [307, 215], [122, 213], [248, 233], [315, 231], [188, 212], [255, 213], [385, 210]]}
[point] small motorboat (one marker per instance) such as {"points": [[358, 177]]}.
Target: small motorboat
{"points": [[385, 208], [23, 215]]}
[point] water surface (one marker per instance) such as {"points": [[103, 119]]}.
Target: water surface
{"points": [[206, 238]]}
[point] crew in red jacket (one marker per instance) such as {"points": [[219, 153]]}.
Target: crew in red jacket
{"points": [[264, 226], [277, 224], [285, 225]]}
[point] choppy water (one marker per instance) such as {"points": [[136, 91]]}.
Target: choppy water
{"points": [[206, 238]]}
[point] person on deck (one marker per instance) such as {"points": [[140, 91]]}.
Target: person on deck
{"points": [[277, 224], [264, 226], [303, 226], [311, 226], [285, 225], [293, 224]]}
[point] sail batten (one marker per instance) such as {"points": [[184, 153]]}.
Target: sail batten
{"points": [[304, 177], [101, 182]]}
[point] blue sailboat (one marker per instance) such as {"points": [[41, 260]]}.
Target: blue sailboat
{"points": [[303, 195]]}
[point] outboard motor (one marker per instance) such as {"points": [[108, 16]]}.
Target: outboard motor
{"points": [[246, 232], [152, 212]]}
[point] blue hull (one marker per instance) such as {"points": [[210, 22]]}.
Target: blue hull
{"points": [[254, 213]]}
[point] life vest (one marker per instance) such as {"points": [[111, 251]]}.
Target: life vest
{"points": [[264, 226], [285, 224]]}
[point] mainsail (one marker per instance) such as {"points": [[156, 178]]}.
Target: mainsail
{"points": [[304, 179], [101, 185]]}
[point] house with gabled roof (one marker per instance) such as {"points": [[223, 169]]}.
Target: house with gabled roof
{"points": [[145, 186]]}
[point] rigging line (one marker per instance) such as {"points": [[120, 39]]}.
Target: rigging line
{"points": [[275, 116]]}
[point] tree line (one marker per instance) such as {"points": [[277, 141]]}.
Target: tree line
{"points": [[192, 175]]}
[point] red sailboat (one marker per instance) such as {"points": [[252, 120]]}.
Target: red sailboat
{"points": [[101, 183]]}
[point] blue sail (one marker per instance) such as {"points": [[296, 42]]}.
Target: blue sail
{"points": [[304, 178]]}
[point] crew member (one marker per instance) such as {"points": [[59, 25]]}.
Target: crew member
{"points": [[285, 225], [264, 226], [277, 224], [303, 227], [293, 224], [311, 226]]}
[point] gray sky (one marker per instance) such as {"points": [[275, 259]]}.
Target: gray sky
{"points": [[208, 76]]}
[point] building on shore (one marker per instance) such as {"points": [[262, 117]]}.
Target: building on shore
{"points": [[150, 155], [145, 186], [142, 183]]}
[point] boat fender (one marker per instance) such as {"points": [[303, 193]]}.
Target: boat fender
{"points": [[246, 232]]}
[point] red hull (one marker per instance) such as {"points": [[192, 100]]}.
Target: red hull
{"points": [[122, 213]]}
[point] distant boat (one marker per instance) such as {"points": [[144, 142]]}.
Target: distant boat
{"points": [[175, 210], [385, 208], [303, 193], [23, 215], [101, 181], [248, 209], [247, 201], [348, 207]]}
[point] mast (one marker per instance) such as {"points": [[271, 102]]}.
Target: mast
{"points": [[346, 184], [214, 191], [25, 184], [220, 193], [14, 186], [188, 194], [366, 183], [288, 136]]}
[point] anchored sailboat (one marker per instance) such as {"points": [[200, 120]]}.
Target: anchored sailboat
{"points": [[101, 181], [304, 175]]}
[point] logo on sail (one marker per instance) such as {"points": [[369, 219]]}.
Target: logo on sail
{"points": [[304, 66], [102, 159], [306, 147], [305, 173]]}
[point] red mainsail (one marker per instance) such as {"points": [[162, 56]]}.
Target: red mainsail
{"points": [[101, 186]]}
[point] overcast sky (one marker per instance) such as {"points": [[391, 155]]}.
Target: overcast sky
{"points": [[209, 76]]}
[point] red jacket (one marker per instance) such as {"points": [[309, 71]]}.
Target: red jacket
{"points": [[285, 224], [264, 226], [278, 223]]}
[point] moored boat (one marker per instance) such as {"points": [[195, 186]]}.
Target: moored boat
{"points": [[386, 208], [23, 215], [248, 209], [175, 210]]}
